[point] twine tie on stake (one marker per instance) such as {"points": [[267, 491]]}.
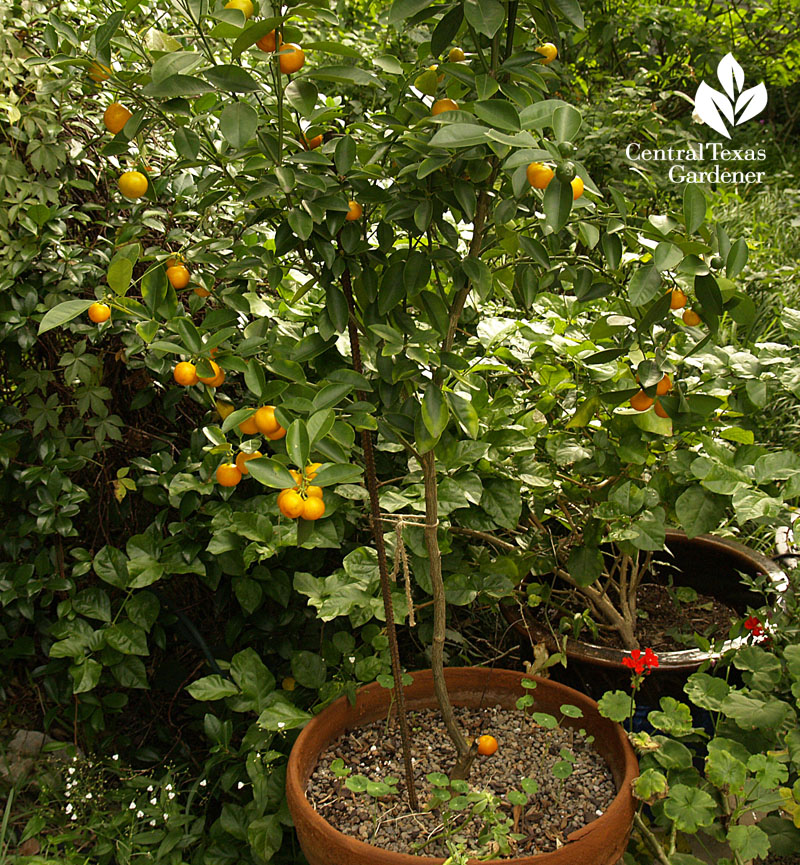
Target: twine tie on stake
{"points": [[400, 555]]}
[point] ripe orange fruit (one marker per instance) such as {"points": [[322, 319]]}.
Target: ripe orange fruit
{"points": [[677, 299], [313, 508], [487, 745], [185, 373], [228, 475], [296, 475], [291, 504], [291, 58], [99, 72], [641, 401], [442, 105], [311, 143], [664, 386], [244, 6], [115, 117], [314, 491], [691, 318], [242, 458], [211, 379], [173, 260], [539, 175], [265, 419], [354, 211], [282, 494], [200, 291], [312, 469], [178, 275], [99, 312], [456, 55], [132, 184], [248, 427], [577, 188], [659, 409], [267, 43], [279, 433], [549, 52]]}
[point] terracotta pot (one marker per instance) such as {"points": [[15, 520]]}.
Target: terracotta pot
{"points": [[601, 842], [705, 563]]}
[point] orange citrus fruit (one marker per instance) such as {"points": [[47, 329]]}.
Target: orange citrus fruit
{"points": [[314, 491], [200, 291], [577, 188], [291, 504], [313, 508], [244, 6], [311, 143], [539, 175], [115, 117], [185, 373], [549, 52], [99, 72], [228, 475], [279, 433], [265, 419], [173, 260], [132, 184], [248, 427], [354, 211], [691, 318], [664, 386], [677, 299], [99, 312], [212, 378], [291, 58], [312, 469], [242, 458], [659, 410], [487, 745], [178, 275], [442, 105], [641, 401], [456, 55], [267, 43]]}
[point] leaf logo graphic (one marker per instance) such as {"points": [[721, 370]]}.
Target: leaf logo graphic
{"points": [[734, 105]]}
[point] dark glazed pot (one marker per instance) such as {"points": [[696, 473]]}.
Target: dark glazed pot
{"points": [[601, 842], [705, 563]]}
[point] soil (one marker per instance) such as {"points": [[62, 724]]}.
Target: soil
{"points": [[526, 750], [664, 623]]}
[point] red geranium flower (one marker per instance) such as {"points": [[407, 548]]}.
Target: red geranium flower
{"points": [[753, 624], [650, 659], [641, 662]]}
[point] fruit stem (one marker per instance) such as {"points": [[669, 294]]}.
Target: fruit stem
{"points": [[377, 532]]}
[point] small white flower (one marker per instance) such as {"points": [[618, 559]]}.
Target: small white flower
{"points": [[352, 659], [88, 796], [115, 756], [170, 795], [150, 789], [203, 782], [68, 809], [281, 724], [153, 801], [598, 812], [71, 770], [140, 814], [152, 822], [166, 816], [240, 785], [67, 794], [74, 817], [74, 759], [168, 787], [132, 805]]}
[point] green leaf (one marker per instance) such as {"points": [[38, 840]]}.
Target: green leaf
{"points": [[253, 678], [435, 414], [186, 143], [238, 123], [301, 94], [460, 135], [416, 272], [265, 836], [282, 715], [345, 75], [402, 9], [309, 669], [93, 603], [650, 785], [232, 78], [345, 154], [176, 86], [689, 807], [63, 313], [130, 672], [585, 565], [119, 275], [486, 16], [566, 122], [212, 688], [111, 565], [498, 113], [85, 675], [127, 638], [737, 258], [617, 706], [301, 223], [174, 63], [270, 473], [297, 443], [570, 10], [725, 771], [464, 413], [706, 691], [338, 473], [708, 293], [645, 285], [694, 207], [446, 30], [750, 842], [698, 511], [502, 501], [557, 204]]}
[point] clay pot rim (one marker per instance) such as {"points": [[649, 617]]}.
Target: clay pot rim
{"points": [[668, 659], [296, 782]]}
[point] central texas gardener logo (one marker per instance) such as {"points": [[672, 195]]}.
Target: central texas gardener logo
{"points": [[714, 108]]}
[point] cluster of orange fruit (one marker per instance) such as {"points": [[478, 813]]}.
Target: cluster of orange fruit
{"points": [[641, 401], [540, 175], [304, 499], [291, 56], [678, 300], [263, 421], [185, 374]]}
